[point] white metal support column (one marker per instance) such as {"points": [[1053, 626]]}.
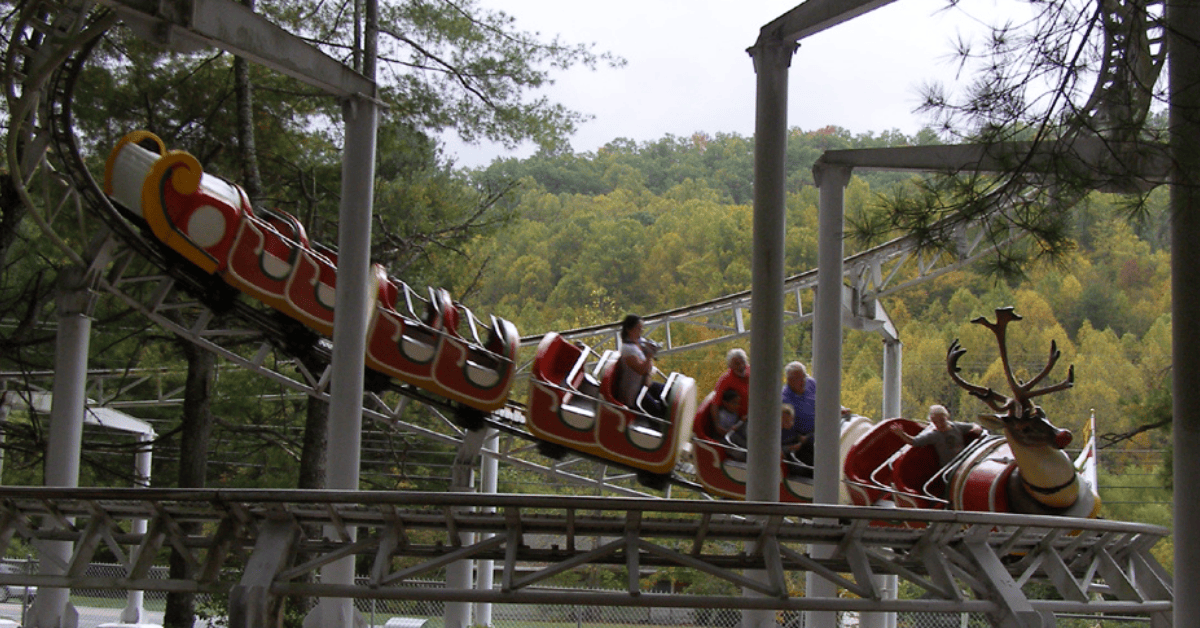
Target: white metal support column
{"points": [[352, 300], [893, 377], [489, 474], [134, 613], [459, 578], [52, 608], [827, 328], [771, 62], [459, 573], [827, 363], [893, 353]]}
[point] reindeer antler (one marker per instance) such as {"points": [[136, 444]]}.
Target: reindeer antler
{"points": [[1004, 316], [994, 399], [1023, 392]]}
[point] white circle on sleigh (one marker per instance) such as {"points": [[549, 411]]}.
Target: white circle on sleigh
{"points": [[206, 226]]}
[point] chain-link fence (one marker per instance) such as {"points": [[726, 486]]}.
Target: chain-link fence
{"points": [[562, 616]]}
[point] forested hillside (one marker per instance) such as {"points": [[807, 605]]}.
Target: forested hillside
{"points": [[649, 227]]}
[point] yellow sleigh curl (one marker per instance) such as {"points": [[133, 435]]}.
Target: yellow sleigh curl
{"points": [[181, 171]]}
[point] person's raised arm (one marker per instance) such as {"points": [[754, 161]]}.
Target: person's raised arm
{"points": [[638, 364], [899, 431]]}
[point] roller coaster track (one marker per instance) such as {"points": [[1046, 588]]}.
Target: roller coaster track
{"points": [[1094, 566], [533, 538]]}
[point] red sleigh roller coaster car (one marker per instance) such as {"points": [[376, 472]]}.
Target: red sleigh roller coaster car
{"points": [[430, 342], [571, 406], [721, 461]]}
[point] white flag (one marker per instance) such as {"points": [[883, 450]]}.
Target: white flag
{"points": [[1085, 464]]}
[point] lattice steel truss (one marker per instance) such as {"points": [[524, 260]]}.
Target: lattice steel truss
{"points": [[283, 537]]}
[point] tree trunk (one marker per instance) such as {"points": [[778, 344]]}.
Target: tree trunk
{"points": [[12, 212], [316, 440], [247, 147], [196, 429]]}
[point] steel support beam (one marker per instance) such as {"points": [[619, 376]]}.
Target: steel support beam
{"points": [[813, 16], [231, 26], [52, 608], [351, 315], [772, 58], [771, 62], [827, 360]]}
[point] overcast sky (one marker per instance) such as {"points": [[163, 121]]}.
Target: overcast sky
{"points": [[688, 69]]}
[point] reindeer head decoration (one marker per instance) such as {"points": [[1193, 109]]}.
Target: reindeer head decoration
{"points": [[1023, 420]]}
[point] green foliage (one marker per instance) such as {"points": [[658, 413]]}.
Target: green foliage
{"points": [[723, 162]]}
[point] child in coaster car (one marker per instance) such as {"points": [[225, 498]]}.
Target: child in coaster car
{"points": [[725, 413]]}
